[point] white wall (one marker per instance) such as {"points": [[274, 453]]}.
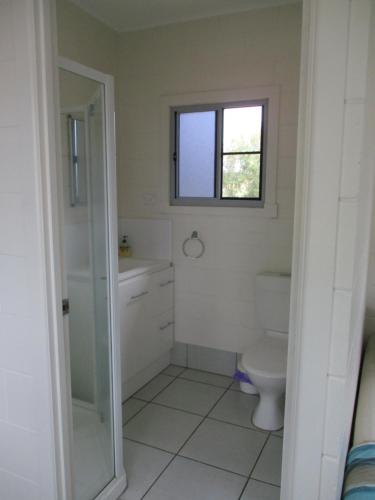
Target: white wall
{"points": [[214, 295], [27, 449], [370, 309], [84, 39], [336, 163]]}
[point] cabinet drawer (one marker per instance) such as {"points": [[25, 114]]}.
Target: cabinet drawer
{"points": [[135, 290], [162, 291], [165, 331]]}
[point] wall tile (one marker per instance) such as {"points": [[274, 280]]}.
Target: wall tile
{"points": [[352, 148], [19, 451], [3, 401], [211, 360], [358, 43], [149, 238], [346, 239], [179, 354], [342, 303], [14, 290], [15, 487], [335, 412], [13, 210], [17, 343], [7, 45], [328, 482], [20, 399]]}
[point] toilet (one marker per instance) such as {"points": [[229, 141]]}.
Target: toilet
{"points": [[265, 361]]}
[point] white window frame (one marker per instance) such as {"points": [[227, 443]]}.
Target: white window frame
{"points": [[217, 199], [270, 94]]}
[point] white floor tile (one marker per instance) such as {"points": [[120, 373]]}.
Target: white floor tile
{"points": [[207, 377], [162, 427], [143, 465], [188, 480], [236, 408], [150, 390], [224, 445], [130, 408], [173, 370], [190, 396], [268, 468], [260, 491]]}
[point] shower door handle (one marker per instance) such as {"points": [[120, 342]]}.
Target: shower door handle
{"points": [[65, 307]]}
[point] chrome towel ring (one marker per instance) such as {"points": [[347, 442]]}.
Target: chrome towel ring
{"points": [[193, 247]]}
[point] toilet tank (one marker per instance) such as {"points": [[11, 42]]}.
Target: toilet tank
{"points": [[272, 297]]}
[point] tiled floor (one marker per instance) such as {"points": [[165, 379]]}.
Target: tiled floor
{"points": [[188, 436]]}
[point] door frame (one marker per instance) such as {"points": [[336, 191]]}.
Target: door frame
{"points": [[118, 484], [47, 113]]}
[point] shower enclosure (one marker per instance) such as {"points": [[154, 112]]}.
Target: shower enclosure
{"points": [[89, 239]]}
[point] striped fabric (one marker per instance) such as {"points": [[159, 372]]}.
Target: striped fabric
{"points": [[360, 473]]}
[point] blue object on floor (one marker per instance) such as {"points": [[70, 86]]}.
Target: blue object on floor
{"points": [[241, 377]]}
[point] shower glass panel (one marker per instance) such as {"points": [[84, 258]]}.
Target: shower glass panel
{"points": [[86, 268]]}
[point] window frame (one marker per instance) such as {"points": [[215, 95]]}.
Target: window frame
{"points": [[217, 200]]}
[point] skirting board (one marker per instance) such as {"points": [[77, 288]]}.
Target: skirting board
{"points": [[135, 383]]}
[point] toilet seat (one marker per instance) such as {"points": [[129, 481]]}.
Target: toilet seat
{"points": [[267, 357]]}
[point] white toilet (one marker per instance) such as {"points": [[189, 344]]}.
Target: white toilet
{"points": [[266, 360]]}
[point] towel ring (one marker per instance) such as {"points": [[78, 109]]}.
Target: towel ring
{"points": [[194, 238]]}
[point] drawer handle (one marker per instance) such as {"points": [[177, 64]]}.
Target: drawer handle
{"points": [[170, 323], [166, 283], [133, 297]]}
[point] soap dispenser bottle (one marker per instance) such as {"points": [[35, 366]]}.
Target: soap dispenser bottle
{"points": [[125, 249]]}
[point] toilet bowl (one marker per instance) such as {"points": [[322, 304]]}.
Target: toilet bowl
{"points": [[265, 364], [265, 361]]}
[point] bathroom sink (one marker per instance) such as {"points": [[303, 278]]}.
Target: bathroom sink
{"points": [[129, 267]]}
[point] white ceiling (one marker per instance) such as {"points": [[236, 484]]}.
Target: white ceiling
{"points": [[131, 15]]}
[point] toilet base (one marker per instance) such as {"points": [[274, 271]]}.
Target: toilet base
{"points": [[268, 414]]}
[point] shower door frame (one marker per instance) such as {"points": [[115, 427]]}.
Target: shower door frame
{"points": [[116, 486]]}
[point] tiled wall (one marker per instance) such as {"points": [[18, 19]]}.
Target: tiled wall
{"points": [[345, 348], [148, 238], [214, 295], [26, 444]]}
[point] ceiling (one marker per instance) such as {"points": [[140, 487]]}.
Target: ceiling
{"points": [[132, 15]]}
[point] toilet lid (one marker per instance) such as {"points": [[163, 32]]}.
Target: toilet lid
{"points": [[267, 356]]}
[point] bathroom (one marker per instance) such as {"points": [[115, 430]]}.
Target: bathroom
{"points": [[208, 306], [163, 375]]}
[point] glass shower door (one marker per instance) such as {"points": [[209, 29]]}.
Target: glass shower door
{"points": [[86, 268]]}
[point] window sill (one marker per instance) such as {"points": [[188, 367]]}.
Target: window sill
{"points": [[268, 211]]}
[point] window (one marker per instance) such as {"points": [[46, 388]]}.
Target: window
{"points": [[218, 154]]}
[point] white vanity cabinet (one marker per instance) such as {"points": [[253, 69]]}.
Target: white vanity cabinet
{"points": [[147, 325]]}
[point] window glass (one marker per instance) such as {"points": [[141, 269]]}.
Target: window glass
{"points": [[241, 176], [196, 154], [242, 129]]}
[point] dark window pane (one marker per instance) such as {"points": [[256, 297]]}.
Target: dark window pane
{"points": [[241, 176], [196, 174], [242, 129]]}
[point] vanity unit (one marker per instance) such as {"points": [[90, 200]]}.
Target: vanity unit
{"points": [[146, 320]]}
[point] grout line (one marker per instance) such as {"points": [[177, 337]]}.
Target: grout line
{"points": [[238, 425], [157, 478], [214, 466], [264, 482], [204, 383], [260, 453], [135, 414], [178, 409], [204, 418], [181, 447], [149, 445], [253, 467]]}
